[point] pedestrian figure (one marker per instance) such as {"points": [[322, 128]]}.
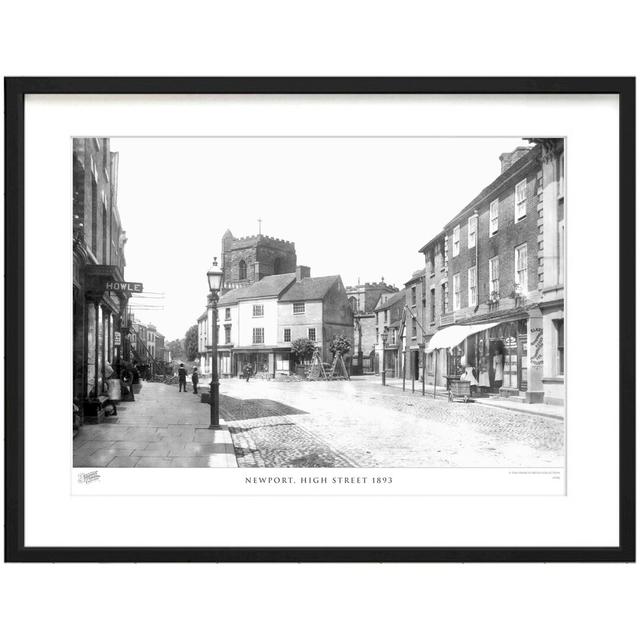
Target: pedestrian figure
{"points": [[126, 379], [194, 380], [114, 388], [182, 378], [247, 370]]}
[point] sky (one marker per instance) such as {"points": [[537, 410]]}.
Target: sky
{"points": [[358, 207]]}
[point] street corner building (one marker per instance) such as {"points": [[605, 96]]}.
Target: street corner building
{"points": [[493, 284], [98, 259], [267, 302]]}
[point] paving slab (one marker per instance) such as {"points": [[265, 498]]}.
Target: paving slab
{"points": [[162, 428]]}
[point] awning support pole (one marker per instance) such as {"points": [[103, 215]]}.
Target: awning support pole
{"points": [[435, 374], [404, 369]]}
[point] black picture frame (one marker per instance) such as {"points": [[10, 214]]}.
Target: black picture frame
{"points": [[15, 91]]}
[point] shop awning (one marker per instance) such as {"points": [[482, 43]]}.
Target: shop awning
{"points": [[455, 334]]}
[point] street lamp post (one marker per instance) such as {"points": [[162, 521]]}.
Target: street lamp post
{"points": [[384, 352], [214, 276]]}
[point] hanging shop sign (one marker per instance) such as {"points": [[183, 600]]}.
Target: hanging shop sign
{"points": [[117, 338], [131, 287]]}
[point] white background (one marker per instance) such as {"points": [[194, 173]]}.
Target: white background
{"points": [[587, 516], [370, 38]]}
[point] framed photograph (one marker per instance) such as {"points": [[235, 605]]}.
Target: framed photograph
{"points": [[320, 319]]}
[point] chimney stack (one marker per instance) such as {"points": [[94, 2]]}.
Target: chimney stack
{"points": [[302, 272], [511, 157]]}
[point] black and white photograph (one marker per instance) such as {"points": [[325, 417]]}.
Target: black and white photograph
{"points": [[320, 302], [344, 315]]}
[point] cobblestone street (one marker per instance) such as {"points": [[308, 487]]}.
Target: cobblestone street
{"points": [[360, 423]]}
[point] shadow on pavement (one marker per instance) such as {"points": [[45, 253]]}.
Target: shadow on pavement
{"points": [[235, 409], [235, 429]]}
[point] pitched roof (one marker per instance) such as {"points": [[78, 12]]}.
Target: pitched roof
{"points": [[416, 275], [268, 287], [394, 299], [309, 289]]}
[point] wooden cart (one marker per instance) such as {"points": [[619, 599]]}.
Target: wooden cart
{"points": [[459, 390]]}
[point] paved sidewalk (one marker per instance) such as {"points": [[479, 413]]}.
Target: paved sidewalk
{"points": [[162, 428], [537, 409]]}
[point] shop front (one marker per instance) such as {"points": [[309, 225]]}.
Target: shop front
{"points": [[98, 328], [495, 356], [263, 362]]}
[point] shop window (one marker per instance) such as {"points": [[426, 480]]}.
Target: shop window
{"points": [[456, 241], [472, 231], [493, 218], [456, 291], [521, 200], [473, 286], [312, 334], [258, 335], [454, 367], [559, 327]]}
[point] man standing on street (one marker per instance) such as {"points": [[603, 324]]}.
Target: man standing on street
{"points": [[182, 378], [194, 380]]}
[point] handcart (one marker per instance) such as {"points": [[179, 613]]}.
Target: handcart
{"points": [[459, 390]]}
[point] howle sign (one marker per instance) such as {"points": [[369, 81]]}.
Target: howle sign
{"points": [[131, 287]]}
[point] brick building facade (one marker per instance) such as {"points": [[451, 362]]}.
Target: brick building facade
{"points": [[502, 263], [414, 325], [98, 257], [363, 299], [437, 301], [389, 316]]}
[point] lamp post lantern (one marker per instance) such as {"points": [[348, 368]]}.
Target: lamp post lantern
{"points": [[385, 336], [214, 276]]}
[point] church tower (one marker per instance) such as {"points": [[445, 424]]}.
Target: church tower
{"points": [[249, 259]]}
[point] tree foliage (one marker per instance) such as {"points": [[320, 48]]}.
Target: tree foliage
{"points": [[339, 345], [302, 349], [176, 348], [191, 343]]}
